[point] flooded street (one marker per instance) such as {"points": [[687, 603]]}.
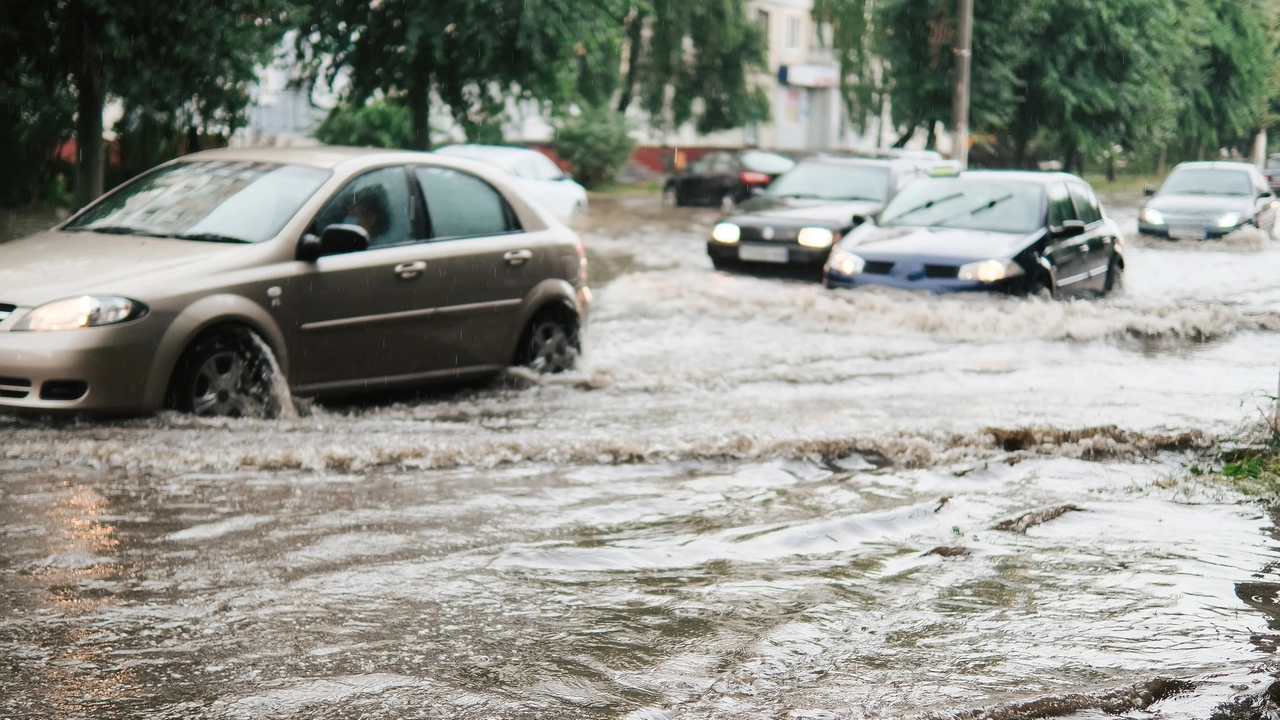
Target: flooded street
{"points": [[755, 498]]}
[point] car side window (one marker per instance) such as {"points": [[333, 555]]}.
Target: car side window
{"points": [[463, 205], [723, 163], [1086, 204], [700, 166], [379, 201], [1061, 208]]}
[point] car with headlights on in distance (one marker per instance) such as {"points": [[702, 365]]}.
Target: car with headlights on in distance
{"points": [[809, 208], [1208, 200], [1013, 232], [205, 283]]}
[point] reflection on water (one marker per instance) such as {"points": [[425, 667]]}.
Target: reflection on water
{"points": [[709, 589]]}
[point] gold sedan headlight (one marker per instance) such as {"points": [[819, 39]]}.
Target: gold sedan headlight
{"points": [[81, 312]]}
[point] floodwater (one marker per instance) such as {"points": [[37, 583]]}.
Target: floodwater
{"points": [[756, 498]]}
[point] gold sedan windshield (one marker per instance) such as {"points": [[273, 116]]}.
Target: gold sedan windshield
{"points": [[211, 201]]}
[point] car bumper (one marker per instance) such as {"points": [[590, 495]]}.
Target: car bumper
{"points": [[44, 371], [796, 255], [1164, 231], [932, 285]]}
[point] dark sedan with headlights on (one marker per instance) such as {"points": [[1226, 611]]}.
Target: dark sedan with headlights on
{"points": [[808, 209], [1207, 200], [1014, 232]]}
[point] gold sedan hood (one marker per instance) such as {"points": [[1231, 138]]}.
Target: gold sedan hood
{"points": [[55, 265]]}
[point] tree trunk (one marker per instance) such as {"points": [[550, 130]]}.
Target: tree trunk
{"points": [[1161, 161], [905, 137], [1111, 168], [635, 29], [420, 109], [931, 142], [89, 101]]}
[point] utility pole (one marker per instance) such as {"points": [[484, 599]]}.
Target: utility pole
{"points": [[960, 108]]}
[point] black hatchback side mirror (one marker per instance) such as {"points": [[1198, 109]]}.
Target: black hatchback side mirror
{"points": [[333, 240], [1068, 229]]}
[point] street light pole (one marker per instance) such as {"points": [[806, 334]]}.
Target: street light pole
{"points": [[960, 107]]}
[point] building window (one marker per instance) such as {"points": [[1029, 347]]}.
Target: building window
{"points": [[762, 19], [793, 33]]}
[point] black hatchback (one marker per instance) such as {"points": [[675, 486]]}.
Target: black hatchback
{"points": [[724, 178], [797, 220]]}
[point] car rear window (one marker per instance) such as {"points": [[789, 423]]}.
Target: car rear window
{"points": [[238, 201], [763, 162]]}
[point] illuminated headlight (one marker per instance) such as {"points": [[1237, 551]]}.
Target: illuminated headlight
{"points": [[1152, 217], [989, 270], [815, 237], [845, 263], [726, 233], [81, 312], [1228, 220]]}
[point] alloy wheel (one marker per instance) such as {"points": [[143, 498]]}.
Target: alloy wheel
{"points": [[550, 350], [225, 385]]}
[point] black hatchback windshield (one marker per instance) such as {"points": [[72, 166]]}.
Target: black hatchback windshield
{"points": [[212, 201], [1205, 181], [832, 181], [965, 203]]}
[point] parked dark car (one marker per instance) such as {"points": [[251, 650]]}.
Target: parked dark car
{"points": [[1207, 200], [724, 178], [1015, 232], [808, 209]]}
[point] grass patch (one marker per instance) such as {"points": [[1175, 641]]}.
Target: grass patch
{"points": [[648, 187], [1123, 183], [1252, 471]]}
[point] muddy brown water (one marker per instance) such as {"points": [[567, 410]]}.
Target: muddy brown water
{"points": [[756, 499]]}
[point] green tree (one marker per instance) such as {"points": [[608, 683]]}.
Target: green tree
{"points": [[918, 48], [379, 123], [596, 143], [682, 55], [471, 54], [161, 57]]}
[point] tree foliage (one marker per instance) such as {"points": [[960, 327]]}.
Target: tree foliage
{"points": [[596, 144], [380, 124], [1074, 78], [171, 61]]}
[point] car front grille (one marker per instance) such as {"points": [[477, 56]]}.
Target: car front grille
{"points": [[14, 388], [941, 271], [875, 267], [6, 310], [776, 234]]}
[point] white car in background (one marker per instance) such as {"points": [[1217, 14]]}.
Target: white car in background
{"points": [[534, 172]]}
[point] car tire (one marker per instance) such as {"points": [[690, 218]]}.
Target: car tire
{"points": [[549, 345], [1041, 288], [1115, 276], [671, 197], [227, 373]]}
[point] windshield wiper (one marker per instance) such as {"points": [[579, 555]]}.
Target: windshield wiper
{"points": [[117, 230], [213, 237], [981, 208], [925, 206]]}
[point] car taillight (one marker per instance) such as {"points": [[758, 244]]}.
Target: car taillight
{"points": [[755, 178]]}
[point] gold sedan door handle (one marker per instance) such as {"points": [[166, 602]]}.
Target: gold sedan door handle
{"points": [[518, 257], [410, 270]]}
